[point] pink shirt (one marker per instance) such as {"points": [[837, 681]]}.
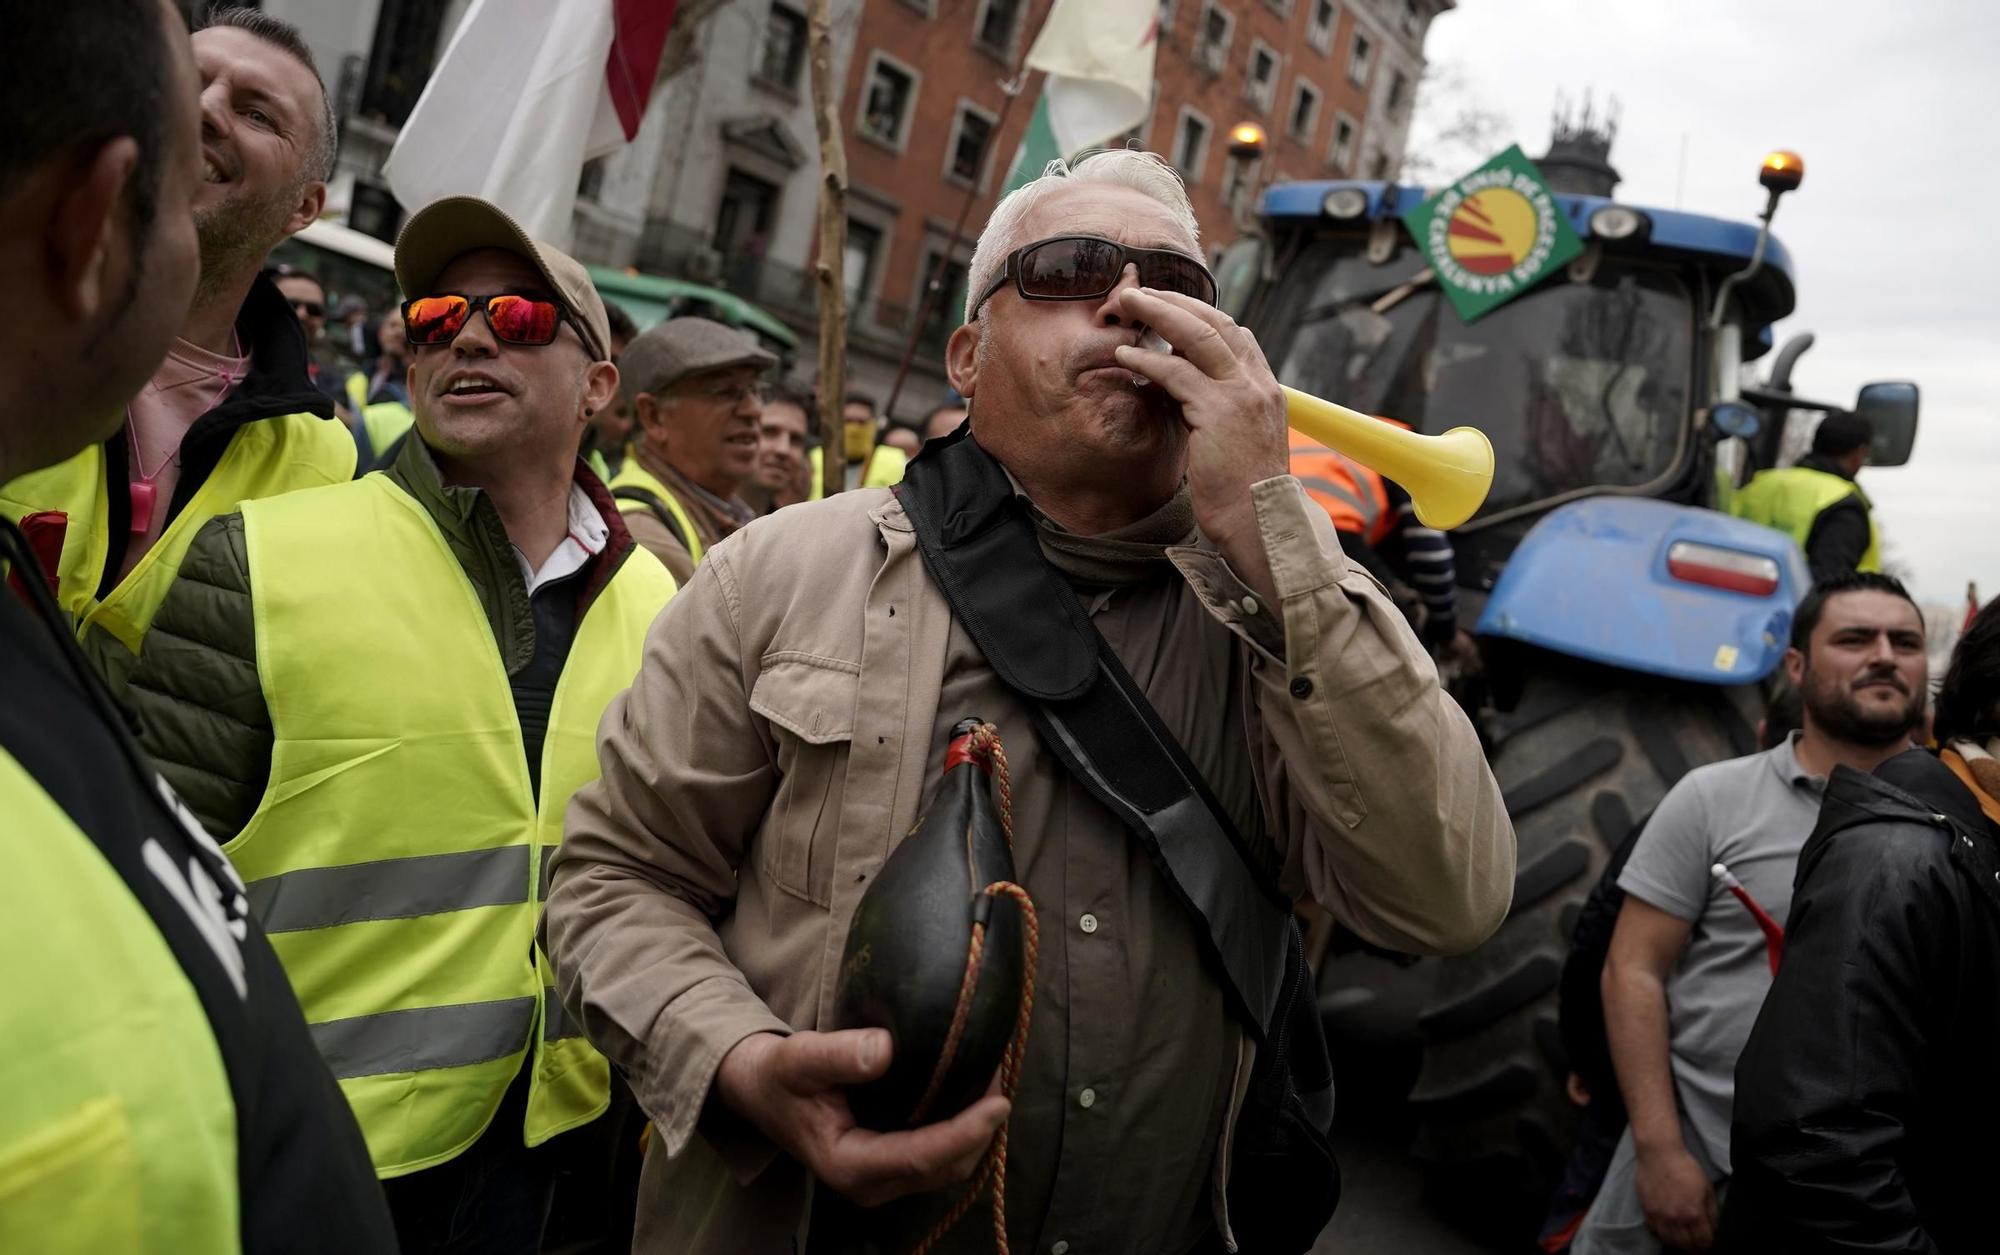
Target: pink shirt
{"points": [[190, 383]]}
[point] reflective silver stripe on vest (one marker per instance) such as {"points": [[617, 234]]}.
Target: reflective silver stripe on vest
{"points": [[424, 1038], [1366, 509], [556, 1023], [391, 888]]}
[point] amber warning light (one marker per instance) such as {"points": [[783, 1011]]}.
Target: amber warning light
{"points": [[1783, 171], [1246, 139]]}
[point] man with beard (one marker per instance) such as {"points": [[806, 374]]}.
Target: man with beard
{"points": [[780, 477], [1869, 1100], [230, 415], [162, 1092], [1689, 967]]}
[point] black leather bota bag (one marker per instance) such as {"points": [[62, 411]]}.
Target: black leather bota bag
{"points": [[980, 548]]}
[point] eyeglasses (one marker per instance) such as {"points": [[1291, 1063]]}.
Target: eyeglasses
{"points": [[309, 309], [1085, 267], [435, 321], [734, 394]]}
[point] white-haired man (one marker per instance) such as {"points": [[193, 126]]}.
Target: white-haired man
{"points": [[789, 722]]}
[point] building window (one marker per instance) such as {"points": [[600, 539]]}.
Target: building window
{"points": [[784, 53], [1235, 180], [1305, 111], [995, 25], [590, 180], [1167, 8], [1191, 144], [404, 53], [1260, 81], [1378, 165], [857, 266], [1399, 90], [1211, 48], [971, 135], [888, 98], [948, 306], [1319, 31], [1357, 61], [1345, 132]]}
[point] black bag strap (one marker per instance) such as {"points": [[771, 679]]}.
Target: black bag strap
{"points": [[655, 507], [979, 546]]}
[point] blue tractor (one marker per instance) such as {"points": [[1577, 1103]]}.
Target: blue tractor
{"points": [[1628, 624]]}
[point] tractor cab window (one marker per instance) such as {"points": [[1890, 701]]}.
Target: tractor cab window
{"points": [[1577, 385]]}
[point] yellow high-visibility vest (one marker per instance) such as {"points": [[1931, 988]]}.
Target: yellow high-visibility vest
{"points": [[399, 857], [1791, 498], [883, 470], [643, 488], [264, 458], [118, 1132], [385, 422]]}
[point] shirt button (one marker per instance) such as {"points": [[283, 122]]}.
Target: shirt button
{"points": [[1249, 605], [1087, 1099], [1060, 1248], [1088, 923], [1302, 688]]}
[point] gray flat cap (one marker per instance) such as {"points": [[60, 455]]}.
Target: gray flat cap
{"points": [[680, 347]]}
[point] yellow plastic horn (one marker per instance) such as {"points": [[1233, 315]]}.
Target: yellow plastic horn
{"points": [[1447, 476]]}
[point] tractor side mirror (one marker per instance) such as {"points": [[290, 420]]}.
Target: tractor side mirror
{"points": [[1733, 418], [1891, 411]]}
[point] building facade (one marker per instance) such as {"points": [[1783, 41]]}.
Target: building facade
{"points": [[722, 183]]}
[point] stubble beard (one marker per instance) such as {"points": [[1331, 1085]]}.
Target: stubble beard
{"points": [[1835, 711], [237, 234]]}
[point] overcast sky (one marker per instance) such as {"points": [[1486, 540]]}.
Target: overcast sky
{"points": [[1893, 107]]}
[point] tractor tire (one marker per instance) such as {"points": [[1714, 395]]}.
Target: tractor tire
{"points": [[1585, 752]]}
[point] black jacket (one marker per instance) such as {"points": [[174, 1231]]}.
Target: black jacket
{"points": [[1867, 1099], [305, 1182]]}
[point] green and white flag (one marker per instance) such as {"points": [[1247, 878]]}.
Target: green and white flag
{"points": [[1098, 55]]}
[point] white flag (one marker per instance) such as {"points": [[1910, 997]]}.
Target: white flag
{"points": [[1099, 58], [517, 104]]}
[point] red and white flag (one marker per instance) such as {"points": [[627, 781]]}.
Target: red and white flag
{"points": [[526, 92]]}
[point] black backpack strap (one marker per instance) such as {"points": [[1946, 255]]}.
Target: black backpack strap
{"points": [[980, 548], [655, 507]]}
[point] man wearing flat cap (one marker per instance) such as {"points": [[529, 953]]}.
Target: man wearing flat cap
{"points": [[697, 397], [381, 694]]}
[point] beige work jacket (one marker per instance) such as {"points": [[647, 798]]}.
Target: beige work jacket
{"points": [[778, 740]]}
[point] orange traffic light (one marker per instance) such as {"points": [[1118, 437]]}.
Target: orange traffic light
{"points": [[1783, 171]]}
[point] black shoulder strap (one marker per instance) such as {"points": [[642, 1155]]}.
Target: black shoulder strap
{"points": [[654, 506], [979, 546]]}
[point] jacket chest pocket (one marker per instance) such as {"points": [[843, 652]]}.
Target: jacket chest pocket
{"points": [[809, 701]]}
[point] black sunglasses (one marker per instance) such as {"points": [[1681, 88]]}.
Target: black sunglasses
{"points": [[1085, 267], [309, 309]]}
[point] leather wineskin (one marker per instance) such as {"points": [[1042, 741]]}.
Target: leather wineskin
{"points": [[905, 958]]}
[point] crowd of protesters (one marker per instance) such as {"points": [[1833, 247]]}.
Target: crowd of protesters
{"points": [[399, 858]]}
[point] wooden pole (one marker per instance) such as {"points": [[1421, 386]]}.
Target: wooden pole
{"points": [[832, 249]]}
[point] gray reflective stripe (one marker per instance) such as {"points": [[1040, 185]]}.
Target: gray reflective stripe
{"points": [[556, 1023], [424, 1038], [392, 888], [1366, 509]]}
